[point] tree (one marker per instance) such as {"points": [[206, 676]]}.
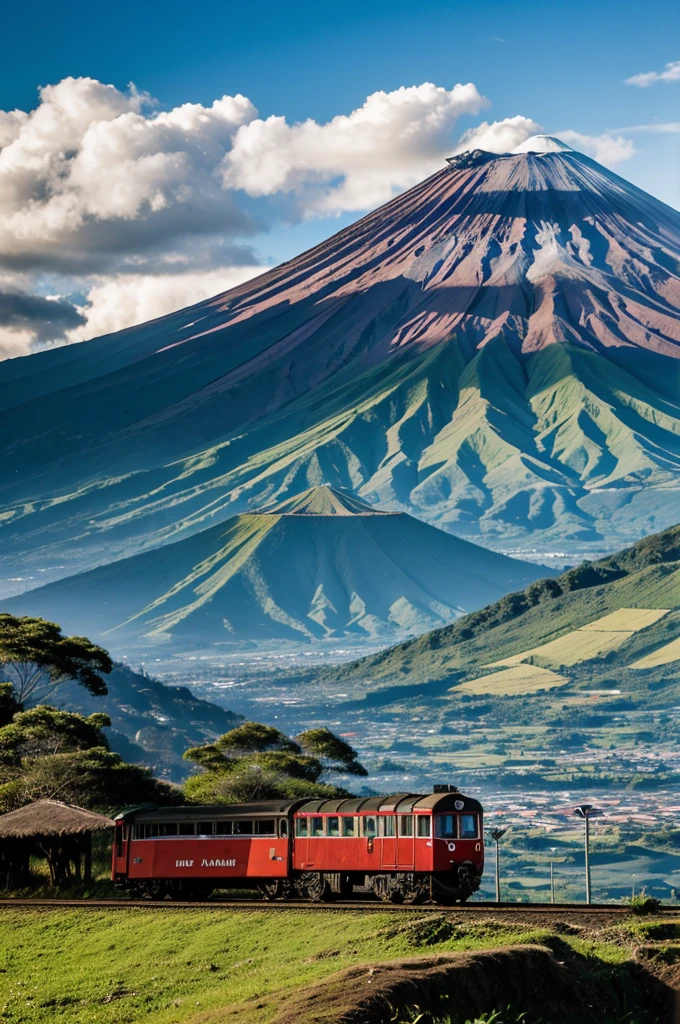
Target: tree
{"points": [[334, 753], [38, 657], [95, 778], [43, 730], [259, 762]]}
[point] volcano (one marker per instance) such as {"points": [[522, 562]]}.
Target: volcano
{"points": [[321, 564], [496, 351]]}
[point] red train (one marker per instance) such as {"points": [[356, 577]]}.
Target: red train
{"points": [[405, 848]]}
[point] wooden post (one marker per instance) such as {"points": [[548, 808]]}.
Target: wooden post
{"points": [[87, 872]]}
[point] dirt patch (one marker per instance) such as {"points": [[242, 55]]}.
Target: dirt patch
{"points": [[555, 985]]}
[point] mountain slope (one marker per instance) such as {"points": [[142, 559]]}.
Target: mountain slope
{"points": [[319, 564], [646, 576], [496, 349]]}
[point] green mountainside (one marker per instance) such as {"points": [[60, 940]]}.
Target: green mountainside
{"points": [[320, 564], [645, 576]]}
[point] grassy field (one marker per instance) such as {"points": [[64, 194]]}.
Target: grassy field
{"points": [[661, 656], [162, 966]]}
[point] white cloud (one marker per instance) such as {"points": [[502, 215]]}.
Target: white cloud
{"points": [[670, 73], [124, 300], [354, 161], [500, 136], [607, 148], [93, 172]]}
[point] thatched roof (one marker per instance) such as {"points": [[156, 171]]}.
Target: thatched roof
{"points": [[50, 818]]}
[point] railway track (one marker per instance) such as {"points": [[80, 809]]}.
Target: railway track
{"points": [[248, 905]]}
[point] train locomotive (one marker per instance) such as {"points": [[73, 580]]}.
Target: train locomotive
{"points": [[404, 848]]}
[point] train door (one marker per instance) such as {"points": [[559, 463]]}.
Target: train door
{"points": [[406, 843], [301, 843], [387, 824]]}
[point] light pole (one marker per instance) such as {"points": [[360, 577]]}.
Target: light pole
{"points": [[497, 834], [587, 811], [553, 850]]}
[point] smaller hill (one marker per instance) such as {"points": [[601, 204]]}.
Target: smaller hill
{"points": [[619, 614], [321, 564], [151, 723]]}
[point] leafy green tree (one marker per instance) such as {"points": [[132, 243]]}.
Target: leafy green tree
{"points": [[96, 778], [37, 657], [334, 753], [43, 730], [259, 762]]}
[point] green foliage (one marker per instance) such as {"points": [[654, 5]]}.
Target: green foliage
{"points": [[335, 754], [38, 657], [258, 762], [43, 730], [95, 778]]}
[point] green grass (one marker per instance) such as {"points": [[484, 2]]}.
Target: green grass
{"points": [[162, 966]]}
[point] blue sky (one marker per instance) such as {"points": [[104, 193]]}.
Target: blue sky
{"points": [[562, 65]]}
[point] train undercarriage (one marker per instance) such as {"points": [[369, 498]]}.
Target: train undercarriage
{"points": [[322, 887]]}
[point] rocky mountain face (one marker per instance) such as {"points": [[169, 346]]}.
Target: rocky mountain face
{"points": [[320, 564], [495, 351]]}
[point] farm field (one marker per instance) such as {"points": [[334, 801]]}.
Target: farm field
{"points": [[517, 679], [661, 656], [592, 640], [163, 966]]}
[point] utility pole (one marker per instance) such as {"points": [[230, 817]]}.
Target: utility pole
{"points": [[553, 849], [497, 834], [586, 812]]}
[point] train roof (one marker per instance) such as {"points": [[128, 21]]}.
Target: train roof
{"points": [[403, 803]]}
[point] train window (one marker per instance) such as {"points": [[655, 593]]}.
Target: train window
{"points": [[243, 828], [223, 828], [204, 828], [423, 825], [333, 826], [265, 827], [316, 826], [167, 829], [405, 824], [370, 826], [388, 825], [301, 826], [468, 826], [283, 827], [152, 831], [138, 832], [347, 826], [186, 828], [445, 826]]}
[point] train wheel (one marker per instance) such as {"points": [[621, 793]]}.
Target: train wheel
{"points": [[270, 890], [315, 887]]}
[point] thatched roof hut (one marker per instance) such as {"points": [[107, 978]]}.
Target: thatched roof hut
{"points": [[50, 818], [61, 833]]}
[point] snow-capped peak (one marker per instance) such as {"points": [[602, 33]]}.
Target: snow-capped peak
{"points": [[542, 144]]}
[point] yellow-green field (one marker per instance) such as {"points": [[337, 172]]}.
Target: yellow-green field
{"points": [[661, 656], [589, 641], [632, 619], [518, 679]]}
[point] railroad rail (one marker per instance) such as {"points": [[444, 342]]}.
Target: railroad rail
{"points": [[340, 906]]}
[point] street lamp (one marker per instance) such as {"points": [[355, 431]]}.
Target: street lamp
{"points": [[587, 811], [553, 851], [497, 834]]}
